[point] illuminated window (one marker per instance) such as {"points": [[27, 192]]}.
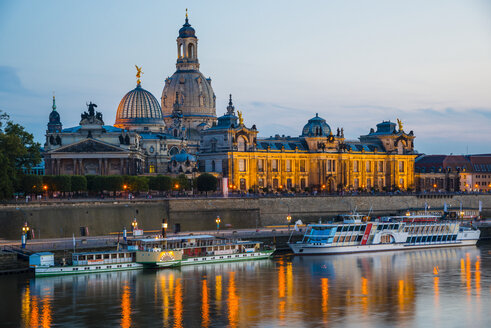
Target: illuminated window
{"points": [[151, 169], [302, 165], [381, 166], [274, 165], [288, 165], [401, 166], [242, 165], [260, 165], [355, 166], [368, 165]]}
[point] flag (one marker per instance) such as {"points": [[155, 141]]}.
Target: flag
{"points": [[445, 207], [480, 206], [74, 243], [426, 206]]}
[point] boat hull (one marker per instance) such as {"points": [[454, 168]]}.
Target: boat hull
{"points": [[227, 258], [308, 249], [41, 271]]}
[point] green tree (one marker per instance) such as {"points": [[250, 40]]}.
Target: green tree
{"points": [[31, 184], [113, 183], [182, 182], [18, 151], [79, 183], [160, 183], [61, 183], [206, 182], [136, 183]]}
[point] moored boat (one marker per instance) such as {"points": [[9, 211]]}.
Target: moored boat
{"points": [[197, 249], [88, 262], [387, 234]]}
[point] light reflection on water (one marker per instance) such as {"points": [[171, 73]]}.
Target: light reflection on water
{"points": [[440, 287]]}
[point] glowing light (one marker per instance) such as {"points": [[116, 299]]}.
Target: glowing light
{"points": [[178, 305], [205, 310], [281, 280], [325, 293], [46, 314], [125, 187], [45, 187], [233, 301], [126, 307], [218, 291], [26, 306], [436, 270], [478, 276], [400, 294]]}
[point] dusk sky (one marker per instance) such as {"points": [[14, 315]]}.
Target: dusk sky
{"points": [[355, 63]]}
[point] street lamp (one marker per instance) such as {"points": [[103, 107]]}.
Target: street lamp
{"points": [[164, 228], [134, 225], [25, 231], [45, 188], [218, 223], [289, 218]]}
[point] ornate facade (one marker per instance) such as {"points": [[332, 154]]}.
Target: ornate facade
{"points": [[318, 159]]}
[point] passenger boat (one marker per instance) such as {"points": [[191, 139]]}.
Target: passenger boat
{"points": [[89, 262], [386, 234], [196, 249]]}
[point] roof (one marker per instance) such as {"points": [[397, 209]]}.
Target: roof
{"points": [[149, 240], [282, 144], [150, 135], [42, 253], [108, 128], [139, 106]]}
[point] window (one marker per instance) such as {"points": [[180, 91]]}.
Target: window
{"points": [[260, 182], [355, 166], [302, 165], [369, 183], [275, 183], [151, 169], [212, 166], [401, 166], [288, 165], [274, 165], [213, 145], [368, 166], [243, 184], [329, 165], [333, 166], [302, 183], [381, 166], [242, 165], [260, 165], [357, 183], [242, 144], [289, 183]]}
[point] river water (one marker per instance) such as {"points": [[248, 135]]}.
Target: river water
{"points": [[448, 287]]}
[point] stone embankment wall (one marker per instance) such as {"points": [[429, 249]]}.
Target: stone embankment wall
{"points": [[62, 219]]}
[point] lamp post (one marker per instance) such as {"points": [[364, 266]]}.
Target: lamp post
{"points": [[218, 223], [125, 187], [25, 231], [45, 188], [289, 219], [134, 226], [164, 228]]}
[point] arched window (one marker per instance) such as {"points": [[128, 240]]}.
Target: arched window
{"points": [[181, 50], [242, 144], [212, 166], [191, 50], [174, 151]]}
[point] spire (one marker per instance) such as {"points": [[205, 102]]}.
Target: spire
{"points": [[187, 18], [230, 107], [54, 102]]}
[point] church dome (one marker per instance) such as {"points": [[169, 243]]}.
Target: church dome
{"points": [[187, 31], [316, 127], [138, 108], [194, 95]]}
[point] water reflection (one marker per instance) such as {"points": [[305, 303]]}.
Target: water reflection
{"points": [[386, 289]]}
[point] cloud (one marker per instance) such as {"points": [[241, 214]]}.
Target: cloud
{"points": [[10, 81]]}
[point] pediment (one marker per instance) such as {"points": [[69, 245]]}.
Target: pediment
{"points": [[89, 146]]}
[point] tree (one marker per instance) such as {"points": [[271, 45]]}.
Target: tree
{"points": [[206, 182], [18, 151], [79, 183], [113, 183], [136, 183], [160, 183], [31, 184], [182, 183]]}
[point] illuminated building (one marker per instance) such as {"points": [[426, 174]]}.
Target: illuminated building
{"points": [[320, 158]]}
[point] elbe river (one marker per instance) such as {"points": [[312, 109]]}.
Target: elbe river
{"points": [[446, 287]]}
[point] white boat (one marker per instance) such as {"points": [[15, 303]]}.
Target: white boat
{"points": [[387, 234], [89, 262], [196, 249]]}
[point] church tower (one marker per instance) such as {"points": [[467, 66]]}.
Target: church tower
{"points": [[54, 124], [189, 89]]}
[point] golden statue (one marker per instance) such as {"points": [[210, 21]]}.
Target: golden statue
{"points": [[241, 119], [138, 74], [400, 125], [186, 13]]}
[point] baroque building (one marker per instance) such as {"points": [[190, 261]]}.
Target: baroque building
{"points": [[320, 158], [189, 91]]}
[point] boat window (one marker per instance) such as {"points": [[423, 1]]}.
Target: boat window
{"points": [[114, 255], [98, 257], [86, 268], [106, 256], [359, 238]]}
